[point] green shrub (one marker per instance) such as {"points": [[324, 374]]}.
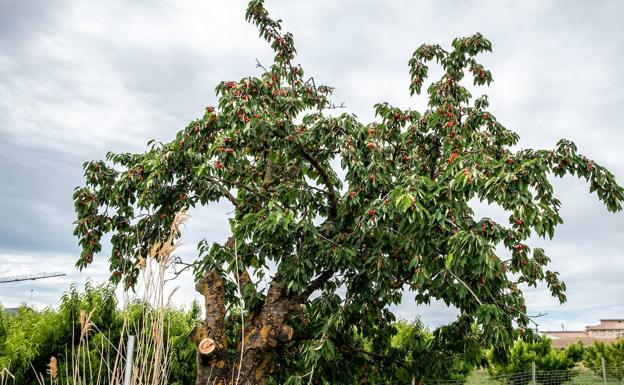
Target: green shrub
{"points": [[613, 355], [546, 359]]}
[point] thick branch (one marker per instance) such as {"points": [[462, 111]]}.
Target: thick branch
{"points": [[275, 291], [225, 191], [212, 288], [268, 175], [326, 179], [315, 285]]}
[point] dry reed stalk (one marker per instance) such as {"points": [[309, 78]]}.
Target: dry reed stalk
{"points": [[6, 376], [151, 366], [53, 368]]}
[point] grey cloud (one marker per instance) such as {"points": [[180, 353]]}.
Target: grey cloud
{"points": [[21, 20], [36, 202]]}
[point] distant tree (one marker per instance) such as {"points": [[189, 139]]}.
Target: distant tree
{"points": [[553, 366], [322, 202], [613, 355], [575, 351]]}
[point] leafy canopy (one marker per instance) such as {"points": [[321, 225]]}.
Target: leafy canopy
{"points": [[379, 209]]}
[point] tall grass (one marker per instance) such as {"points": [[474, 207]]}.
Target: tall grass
{"points": [[106, 364]]}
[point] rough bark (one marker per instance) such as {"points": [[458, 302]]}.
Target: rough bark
{"points": [[263, 333], [213, 365]]}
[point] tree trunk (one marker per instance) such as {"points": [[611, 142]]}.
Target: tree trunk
{"points": [[263, 333]]}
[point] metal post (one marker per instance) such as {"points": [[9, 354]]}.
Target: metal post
{"points": [[129, 359], [413, 381], [604, 370], [533, 381]]}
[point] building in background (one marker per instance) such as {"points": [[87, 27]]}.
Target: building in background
{"points": [[609, 330]]}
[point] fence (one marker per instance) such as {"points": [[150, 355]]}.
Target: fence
{"points": [[577, 376]]}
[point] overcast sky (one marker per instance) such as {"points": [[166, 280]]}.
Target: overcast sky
{"points": [[78, 79]]}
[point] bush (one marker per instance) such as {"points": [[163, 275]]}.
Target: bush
{"points": [[613, 355], [546, 359]]}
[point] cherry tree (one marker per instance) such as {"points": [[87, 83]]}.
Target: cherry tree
{"points": [[351, 218]]}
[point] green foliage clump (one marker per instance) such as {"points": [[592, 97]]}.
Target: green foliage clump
{"points": [[553, 366], [441, 355], [613, 355], [29, 338], [413, 352]]}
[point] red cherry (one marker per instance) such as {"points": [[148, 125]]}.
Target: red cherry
{"points": [[229, 151], [372, 212], [210, 109], [454, 156], [352, 194]]}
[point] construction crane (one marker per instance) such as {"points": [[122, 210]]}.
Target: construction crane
{"points": [[29, 277]]}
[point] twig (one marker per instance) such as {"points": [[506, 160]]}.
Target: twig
{"points": [[466, 286], [258, 65], [176, 273]]}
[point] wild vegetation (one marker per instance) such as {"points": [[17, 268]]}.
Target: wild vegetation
{"points": [[30, 339], [342, 219], [37, 347]]}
